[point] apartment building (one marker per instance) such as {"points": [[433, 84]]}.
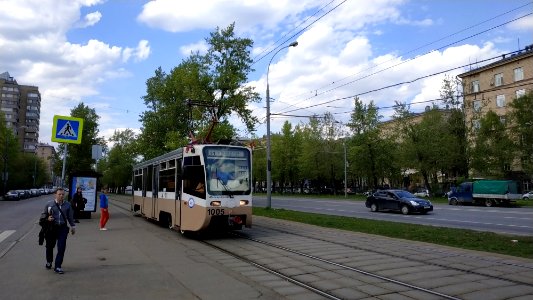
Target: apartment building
{"points": [[496, 85], [47, 154], [21, 105]]}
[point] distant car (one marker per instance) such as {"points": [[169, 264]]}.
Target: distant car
{"points": [[35, 193], [23, 194], [398, 200], [528, 196], [422, 193], [12, 195], [128, 190]]}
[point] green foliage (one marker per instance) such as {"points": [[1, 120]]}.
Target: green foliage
{"points": [[521, 117], [117, 166], [202, 88], [493, 149]]}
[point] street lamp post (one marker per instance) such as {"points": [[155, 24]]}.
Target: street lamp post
{"points": [[269, 164], [345, 177]]}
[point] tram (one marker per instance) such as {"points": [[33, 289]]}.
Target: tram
{"points": [[195, 188]]}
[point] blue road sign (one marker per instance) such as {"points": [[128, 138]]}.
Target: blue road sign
{"points": [[67, 130]]}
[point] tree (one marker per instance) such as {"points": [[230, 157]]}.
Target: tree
{"points": [[9, 154], [493, 150], [201, 89], [521, 118], [285, 152], [118, 164], [367, 150]]}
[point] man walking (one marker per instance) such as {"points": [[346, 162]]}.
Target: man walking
{"points": [[59, 214]]}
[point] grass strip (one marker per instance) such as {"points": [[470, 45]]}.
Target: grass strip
{"points": [[519, 246]]}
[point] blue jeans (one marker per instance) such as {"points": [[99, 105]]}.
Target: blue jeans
{"points": [[56, 234]]}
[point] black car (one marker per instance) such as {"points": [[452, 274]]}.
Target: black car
{"points": [[398, 200]]}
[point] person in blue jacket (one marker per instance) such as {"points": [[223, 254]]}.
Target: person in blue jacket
{"points": [[104, 211]]}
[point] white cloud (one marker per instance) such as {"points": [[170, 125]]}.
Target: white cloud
{"points": [[200, 46], [140, 53], [91, 19], [522, 24]]}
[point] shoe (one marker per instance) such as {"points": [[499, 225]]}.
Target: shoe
{"points": [[103, 228], [59, 271], [76, 221], [48, 265]]}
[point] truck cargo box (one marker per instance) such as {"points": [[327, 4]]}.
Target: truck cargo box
{"points": [[495, 187]]}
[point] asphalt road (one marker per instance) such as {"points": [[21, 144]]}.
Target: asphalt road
{"points": [[503, 220]]}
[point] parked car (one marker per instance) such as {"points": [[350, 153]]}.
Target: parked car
{"points": [[422, 193], [35, 193], [12, 195], [528, 195], [399, 200], [23, 194]]}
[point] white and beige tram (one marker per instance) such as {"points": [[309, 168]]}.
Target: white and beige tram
{"points": [[195, 188]]}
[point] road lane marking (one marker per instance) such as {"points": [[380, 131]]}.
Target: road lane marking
{"points": [[4, 235]]}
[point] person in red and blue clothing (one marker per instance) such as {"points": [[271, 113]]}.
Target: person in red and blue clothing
{"points": [[104, 209]]}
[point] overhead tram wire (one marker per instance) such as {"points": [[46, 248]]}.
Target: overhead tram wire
{"points": [[297, 26], [396, 84], [397, 105], [410, 59], [297, 33]]}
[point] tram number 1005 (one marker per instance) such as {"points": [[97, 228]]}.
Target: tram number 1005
{"points": [[215, 211]]}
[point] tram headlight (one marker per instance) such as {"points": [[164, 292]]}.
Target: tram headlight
{"points": [[243, 202], [215, 203]]}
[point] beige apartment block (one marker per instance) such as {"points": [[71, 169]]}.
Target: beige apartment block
{"points": [[496, 85]]}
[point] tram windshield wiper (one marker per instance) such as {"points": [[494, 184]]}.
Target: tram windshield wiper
{"points": [[223, 179]]}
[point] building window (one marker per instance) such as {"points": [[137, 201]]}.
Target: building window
{"points": [[477, 105], [502, 119], [520, 93], [498, 79], [475, 86], [500, 101], [518, 74]]}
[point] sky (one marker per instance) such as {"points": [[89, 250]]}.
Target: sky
{"points": [[102, 52]]}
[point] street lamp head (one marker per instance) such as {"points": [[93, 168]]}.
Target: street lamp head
{"points": [[293, 44]]}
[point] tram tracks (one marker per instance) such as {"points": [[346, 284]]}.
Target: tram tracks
{"points": [[330, 265], [520, 267]]}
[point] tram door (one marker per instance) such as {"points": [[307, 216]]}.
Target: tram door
{"points": [[193, 206], [155, 188]]}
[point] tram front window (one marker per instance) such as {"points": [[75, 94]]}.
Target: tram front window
{"points": [[228, 171]]}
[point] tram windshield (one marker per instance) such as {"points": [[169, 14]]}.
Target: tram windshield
{"points": [[227, 170]]}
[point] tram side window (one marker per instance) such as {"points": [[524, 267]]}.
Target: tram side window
{"points": [[138, 182], [194, 181], [166, 180], [192, 161], [149, 179]]}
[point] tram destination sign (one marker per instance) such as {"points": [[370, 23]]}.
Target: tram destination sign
{"points": [[67, 129], [225, 152]]}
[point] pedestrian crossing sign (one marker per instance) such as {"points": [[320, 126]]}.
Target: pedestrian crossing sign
{"points": [[67, 130]]}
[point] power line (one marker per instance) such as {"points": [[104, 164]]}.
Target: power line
{"points": [[410, 59], [398, 105], [394, 85], [300, 31], [297, 26]]}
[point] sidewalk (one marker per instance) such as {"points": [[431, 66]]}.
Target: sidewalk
{"points": [[132, 260]]}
